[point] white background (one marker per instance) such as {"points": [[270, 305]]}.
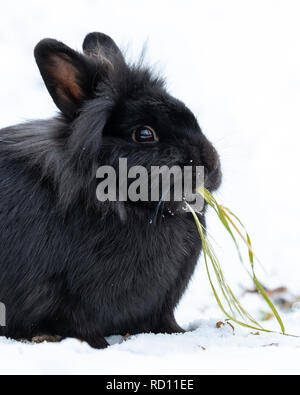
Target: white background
{"points": [[236, 64]]}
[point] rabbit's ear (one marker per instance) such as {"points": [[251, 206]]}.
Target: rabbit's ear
{"points": [[100, 45], [68, 75]]}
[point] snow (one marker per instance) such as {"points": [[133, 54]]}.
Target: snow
{"points": [[236, 65]]}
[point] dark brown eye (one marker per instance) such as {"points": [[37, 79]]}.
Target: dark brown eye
{"points": [[144, 134]]}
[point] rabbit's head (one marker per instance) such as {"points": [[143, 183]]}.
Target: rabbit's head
{"points": [[114, 110]]}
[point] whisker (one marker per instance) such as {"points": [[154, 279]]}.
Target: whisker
{"points": [[160, 203], [154, 220]]}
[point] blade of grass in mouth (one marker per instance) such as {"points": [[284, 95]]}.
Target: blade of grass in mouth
{"points": [[227, 301]]}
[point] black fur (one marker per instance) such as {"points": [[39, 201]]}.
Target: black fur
{"points": [[72, 266]]}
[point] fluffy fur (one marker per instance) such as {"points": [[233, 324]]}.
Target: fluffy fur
{"points": [[69, 265]]}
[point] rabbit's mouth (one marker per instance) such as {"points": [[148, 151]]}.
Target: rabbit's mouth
{"points": [[170, 202]]}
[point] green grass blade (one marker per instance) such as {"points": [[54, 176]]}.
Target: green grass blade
{"points": [[228, 219]]}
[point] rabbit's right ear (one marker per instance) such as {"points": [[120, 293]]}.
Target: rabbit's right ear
{"points": [[100, 45], [68, 75]]}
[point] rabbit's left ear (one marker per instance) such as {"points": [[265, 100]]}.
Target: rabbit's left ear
{"points": [[100, 45], [68, 75]]}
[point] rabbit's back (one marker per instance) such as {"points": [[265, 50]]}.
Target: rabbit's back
{"points": [[32, 244]]}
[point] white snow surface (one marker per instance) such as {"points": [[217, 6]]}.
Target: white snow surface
{"points": [[236, 64]]}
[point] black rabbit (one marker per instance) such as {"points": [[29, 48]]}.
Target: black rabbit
{"points": [[69, 264]]}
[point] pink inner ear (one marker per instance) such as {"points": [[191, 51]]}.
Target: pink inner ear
{"points": [[64, 75]]}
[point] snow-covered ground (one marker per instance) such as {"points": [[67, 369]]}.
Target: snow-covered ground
{"points": [[237, 65]]}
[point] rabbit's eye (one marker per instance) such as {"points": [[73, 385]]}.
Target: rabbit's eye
{"points": [[144, 135]]}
